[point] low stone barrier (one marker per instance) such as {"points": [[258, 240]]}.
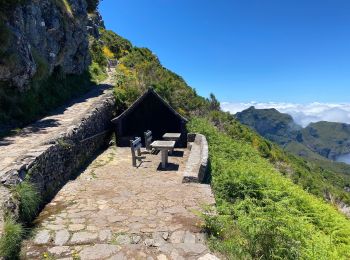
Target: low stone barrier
{"points": [[50, 165], [196, 169]]}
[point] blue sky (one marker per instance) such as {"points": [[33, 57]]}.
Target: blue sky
{"points": [[245, 50]]}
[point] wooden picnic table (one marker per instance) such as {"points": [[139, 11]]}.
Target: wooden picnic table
{"points": [[164, 147]]}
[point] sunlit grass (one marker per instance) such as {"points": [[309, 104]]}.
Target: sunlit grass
{"points": [[10, 240]]}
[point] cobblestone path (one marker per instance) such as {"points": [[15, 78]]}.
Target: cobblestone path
{"points": [[32, 139], [115, 211]]}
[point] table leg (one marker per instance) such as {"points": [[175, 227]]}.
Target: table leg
{"points": [[164, 158]]}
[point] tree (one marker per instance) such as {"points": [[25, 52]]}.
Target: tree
{"points": [[214, 103]]}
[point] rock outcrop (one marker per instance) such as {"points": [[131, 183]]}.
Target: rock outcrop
{"points": [[43, 36]]}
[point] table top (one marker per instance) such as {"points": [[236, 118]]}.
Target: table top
{"points": [[172, 135], [163, 144]]}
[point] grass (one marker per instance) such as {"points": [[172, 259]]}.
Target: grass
{"points": [[262, 214], [10, 242], [29, 199]]}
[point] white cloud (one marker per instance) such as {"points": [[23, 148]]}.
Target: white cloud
{"points": [[303, 114]]}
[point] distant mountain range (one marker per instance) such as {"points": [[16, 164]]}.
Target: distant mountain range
{"points": [[318, 141]]}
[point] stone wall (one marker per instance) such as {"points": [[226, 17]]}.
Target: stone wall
{"points": [[53, 163], [72, 150], [196, 169]]}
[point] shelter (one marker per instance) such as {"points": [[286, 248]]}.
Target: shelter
{"points": [[149, 112]]}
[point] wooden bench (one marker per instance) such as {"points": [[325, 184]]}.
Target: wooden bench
{"points": [[135, 146], [148, 140]]}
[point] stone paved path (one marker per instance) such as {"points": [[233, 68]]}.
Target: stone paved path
{"points": [[115, 211], [30, 138]]}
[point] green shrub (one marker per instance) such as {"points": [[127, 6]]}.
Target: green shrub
{"points": [[140, 68], [97, 73], [29, 199], [10, 242], [119, 46], [260, 213], [96, 52]]}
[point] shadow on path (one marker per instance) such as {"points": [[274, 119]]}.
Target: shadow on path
{"points": [[51, 120]]}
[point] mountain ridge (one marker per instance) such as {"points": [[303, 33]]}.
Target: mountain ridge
{"points": [[327, 139]]}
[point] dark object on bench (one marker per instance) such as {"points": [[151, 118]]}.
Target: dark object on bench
{"points": [[135, 146]]}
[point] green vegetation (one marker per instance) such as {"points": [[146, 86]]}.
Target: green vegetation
{"points": [[10, 241], [115, 43], [260, 213], [141, 69], [110, 47], [320, 181], [29, 199], [138, 69], [13, 229]]}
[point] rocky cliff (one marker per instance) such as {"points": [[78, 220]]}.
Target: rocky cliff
{"points": [[38, 37]]}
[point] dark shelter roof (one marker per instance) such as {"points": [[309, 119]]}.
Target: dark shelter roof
{"points": [[150, 91], [148, 112]]}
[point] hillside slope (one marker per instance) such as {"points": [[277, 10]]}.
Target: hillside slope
{"points": [[260, 213]]}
